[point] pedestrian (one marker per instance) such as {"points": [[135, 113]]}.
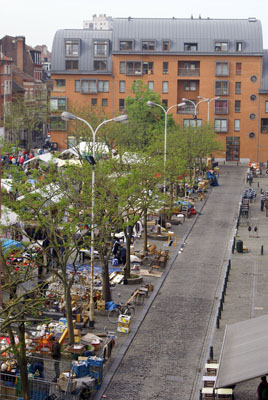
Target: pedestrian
{"points": [[262, 196], [250, 179], [262, 389], [56, 355], [266, 206]]}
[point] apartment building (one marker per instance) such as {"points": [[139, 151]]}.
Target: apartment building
{"points": [[222, 61]]}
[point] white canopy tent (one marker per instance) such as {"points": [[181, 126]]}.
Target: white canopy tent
{"points": [[244, 353]]}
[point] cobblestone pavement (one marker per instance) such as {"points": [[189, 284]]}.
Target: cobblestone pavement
{"points": [[166, 358]]}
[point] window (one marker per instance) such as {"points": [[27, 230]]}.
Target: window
{"points": [[239, 46], [190, 86], [94, 101], [148, 45], [165, 87], [72, 48], [7, 87], [133, 68], [72, 141], [222, 68], [58, 104], [151, 85], [221, 88], [165, 103], [266, 106], [104, 102], [253, 97], [103, 86], [238, 68], [126, 44], [220, 125], [221, 46], [7, 69], [101, 49], [121, 104], [237, 87], [60, 82], [252, 116], [57, 124], [77, 86], [122, 86], [237, 125], [251, 135], [192, 123], [89, 86], [122, 67], [71, 64], [165, 67], [253, 78], [190, 46], [264, 125], [221, 106], [237, 105], [100, 65], [147, 68], [165, 45]]}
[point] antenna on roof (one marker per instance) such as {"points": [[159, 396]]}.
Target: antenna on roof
{"points": [[199, 16], [192, 16]]}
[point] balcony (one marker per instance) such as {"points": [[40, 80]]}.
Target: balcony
{"points": [[188, 109], [189, 72], [264, 128], [221, 110]]}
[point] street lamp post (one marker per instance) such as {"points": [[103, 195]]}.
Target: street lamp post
{"points": [[152, 104], [209, 101], [66, 116], [195, 105]]}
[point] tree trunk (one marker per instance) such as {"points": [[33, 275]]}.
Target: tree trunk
{"points": [[22, 361], [106, 292], [69, 314], [145, 229]]}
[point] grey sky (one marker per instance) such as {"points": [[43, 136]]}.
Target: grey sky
{"points": [[38, 20]]}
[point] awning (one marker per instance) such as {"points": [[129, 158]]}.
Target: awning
{"points": [[244, 353]]}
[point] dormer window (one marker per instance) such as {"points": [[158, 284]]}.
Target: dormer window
{"points": [[221, 46], [190, 47], [72, 48], [126, 44], [101, 48], [165, 45], [239, 46], [148, 45]]}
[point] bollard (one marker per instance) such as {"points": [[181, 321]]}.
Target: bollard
{"points": [[218, 323], [221, 305], [211, 353], [219, 312], [262, 250], [222, 296]]}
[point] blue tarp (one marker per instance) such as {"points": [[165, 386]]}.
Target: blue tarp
{"points": [[8, 244]]}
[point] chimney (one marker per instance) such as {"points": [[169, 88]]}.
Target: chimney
{"points": [[20, 50]]}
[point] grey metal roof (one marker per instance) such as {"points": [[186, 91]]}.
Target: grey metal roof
{"points": [[264, 88], [85, 58], [202, 31]]}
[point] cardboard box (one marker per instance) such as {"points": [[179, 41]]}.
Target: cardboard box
{"points": [[125, 319], [63, 381], [100, 305], [123, 329]]}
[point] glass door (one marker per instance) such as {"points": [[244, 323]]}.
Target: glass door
{"points": [[232, 148]]}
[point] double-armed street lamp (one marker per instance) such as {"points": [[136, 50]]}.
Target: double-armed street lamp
{"points": [[152, 104], [209, 101], [66, 116], [195, 104]]}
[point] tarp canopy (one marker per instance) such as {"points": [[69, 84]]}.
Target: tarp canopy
{"points": [[8, 244], [8, 217], [244, 353]]}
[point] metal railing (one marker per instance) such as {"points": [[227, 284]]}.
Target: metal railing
{"points": [[189, 72]]}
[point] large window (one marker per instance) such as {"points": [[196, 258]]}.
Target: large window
{"points": [[190, 86], [221, 106], [72, 48], [151, 85], [192, 123], [238, 68], [222, 68], [221, 46], [71, 64], [57, 124], [237, 106], [103, 86], [221, 125], [237, 125], [58, 104], [165, 87], [126, 44], [221, 88], [147, 68], [122, 67], [148, 45], [190, 46], [165, 67], [89, 86], [60, 83], [101, 48], [100, 65], [133, 68], [165, 45]]}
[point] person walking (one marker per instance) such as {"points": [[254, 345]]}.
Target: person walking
{"points": [[266, 206], [262, 196], [56, 355], [262, 389]]}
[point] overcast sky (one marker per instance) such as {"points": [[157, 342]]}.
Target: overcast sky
{"points": [[38, 20]]}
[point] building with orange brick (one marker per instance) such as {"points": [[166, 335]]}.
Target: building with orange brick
{"points": [[218, 66]]}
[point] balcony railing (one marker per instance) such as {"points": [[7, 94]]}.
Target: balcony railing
{"points": [[189, 72], [188, 109], [222, 92], [221, 110]]}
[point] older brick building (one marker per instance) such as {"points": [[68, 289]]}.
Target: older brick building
{"points": [[222, 61]]}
